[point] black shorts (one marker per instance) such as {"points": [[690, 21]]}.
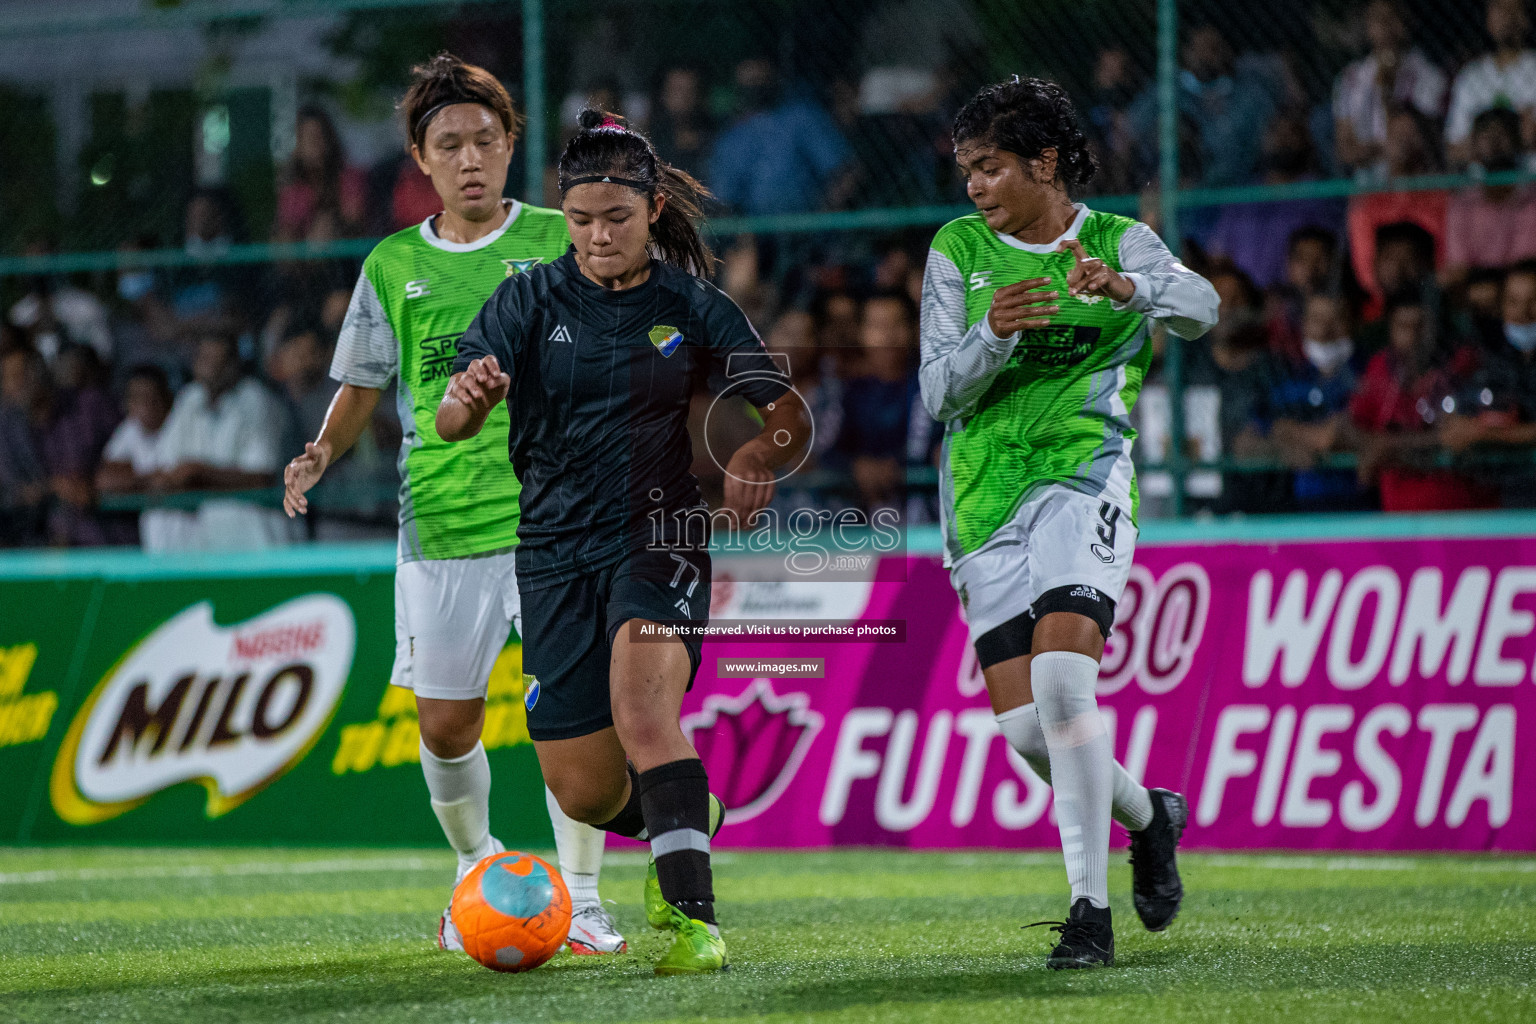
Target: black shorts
{"points": [[568, 631]]}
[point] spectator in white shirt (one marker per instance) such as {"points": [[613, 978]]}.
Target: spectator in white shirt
{"points": [[224, 433], [1390, 77], [131, 458], [1505, 77], [56, 313]]}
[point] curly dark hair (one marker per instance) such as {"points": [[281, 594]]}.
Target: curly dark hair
{"points": [[1026, 116]]}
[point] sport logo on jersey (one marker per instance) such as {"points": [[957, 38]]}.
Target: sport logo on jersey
{"points": [[666, 339], [1056, 346], [437, 354], [417, 289], [518, 266]]}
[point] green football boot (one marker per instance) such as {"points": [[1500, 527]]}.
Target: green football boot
{"points": [[695, 949], [657, 910]]}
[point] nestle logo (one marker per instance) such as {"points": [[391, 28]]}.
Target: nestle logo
{"points": [[284, 641], [230, 708], [752, 745]]}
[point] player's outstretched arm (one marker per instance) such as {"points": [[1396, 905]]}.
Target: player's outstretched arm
{"points": [[470, 398], [1160, 286], [345, 422], [749, 479]]}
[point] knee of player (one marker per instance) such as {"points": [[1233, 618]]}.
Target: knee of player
{"points": [[641, 726], [587, 800], [447, 735]]}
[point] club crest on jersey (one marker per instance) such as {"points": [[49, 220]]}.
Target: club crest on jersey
{"points": [[519, 266], [666, 339]]}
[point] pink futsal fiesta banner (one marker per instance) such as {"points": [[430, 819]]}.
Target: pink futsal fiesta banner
{"points": [[1328, 695]]}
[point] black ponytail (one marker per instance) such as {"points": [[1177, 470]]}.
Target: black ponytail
{"points": [[606, 148]]}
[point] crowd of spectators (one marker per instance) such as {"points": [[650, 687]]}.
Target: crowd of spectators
{"points": [[1420, 398], [1377, 352]]}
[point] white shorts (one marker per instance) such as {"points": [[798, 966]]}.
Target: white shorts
{"points": [[1072, 549], [452, 617]]}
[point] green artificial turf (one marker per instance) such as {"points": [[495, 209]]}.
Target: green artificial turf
{"points": [[318, 935]]}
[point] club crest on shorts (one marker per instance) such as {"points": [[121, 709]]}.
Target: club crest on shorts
{"points": [[666, 339], [531, 694]]}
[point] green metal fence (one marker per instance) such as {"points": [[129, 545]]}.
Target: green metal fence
{"points": [[553, 50]]}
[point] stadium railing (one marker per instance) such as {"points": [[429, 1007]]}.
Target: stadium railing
{"points": [[1302, 48]]}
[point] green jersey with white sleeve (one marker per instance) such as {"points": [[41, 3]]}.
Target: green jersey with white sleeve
{"points": [[416, 296], [1048, 406]]}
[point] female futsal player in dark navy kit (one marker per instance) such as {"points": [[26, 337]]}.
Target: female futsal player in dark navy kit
{"points": [[597, 355]]}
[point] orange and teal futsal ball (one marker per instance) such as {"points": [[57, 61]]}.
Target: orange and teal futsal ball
{"points": [[513, 911]]}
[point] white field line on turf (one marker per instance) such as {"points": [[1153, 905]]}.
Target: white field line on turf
{"points": [[293, 867], [1306, 863]]}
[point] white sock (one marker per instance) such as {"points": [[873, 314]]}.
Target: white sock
{"points": [[1081, 775], [1131, 804], [579, 852], [461, 798]]}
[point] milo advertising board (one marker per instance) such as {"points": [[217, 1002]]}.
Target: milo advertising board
{"points": [[238, 702], [1373, 692]]}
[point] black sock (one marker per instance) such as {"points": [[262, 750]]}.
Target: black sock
{"points": [[629, 822], [675, 797]]}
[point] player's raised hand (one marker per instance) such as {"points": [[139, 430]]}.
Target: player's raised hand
{"points": [[1022, 306], [481, 387], [301, 474], [1092, 276]]}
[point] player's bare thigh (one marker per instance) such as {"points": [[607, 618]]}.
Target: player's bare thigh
{"points": [[1008, 681], [647, 681], [586, 774]]}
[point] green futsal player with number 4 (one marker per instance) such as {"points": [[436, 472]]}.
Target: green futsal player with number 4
{"points": [[1035, 340], [456, 594]]}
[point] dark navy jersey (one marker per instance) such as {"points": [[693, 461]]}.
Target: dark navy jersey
{"points": [[601, 387]]}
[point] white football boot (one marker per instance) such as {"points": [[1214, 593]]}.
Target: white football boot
{"points": [[593, 931], [447, 935]]}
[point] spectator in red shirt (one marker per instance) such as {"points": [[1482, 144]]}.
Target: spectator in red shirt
{"points": [[1408, 389], [1404, 264], [320, 197], [413, 199], [1491, 225], [1410, 151]]}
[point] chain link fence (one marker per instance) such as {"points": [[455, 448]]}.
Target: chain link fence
{"points": [[170, 169]]}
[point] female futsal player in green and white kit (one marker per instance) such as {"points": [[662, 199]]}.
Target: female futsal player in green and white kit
{"points": [[1035, 340], [455, 584]]}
